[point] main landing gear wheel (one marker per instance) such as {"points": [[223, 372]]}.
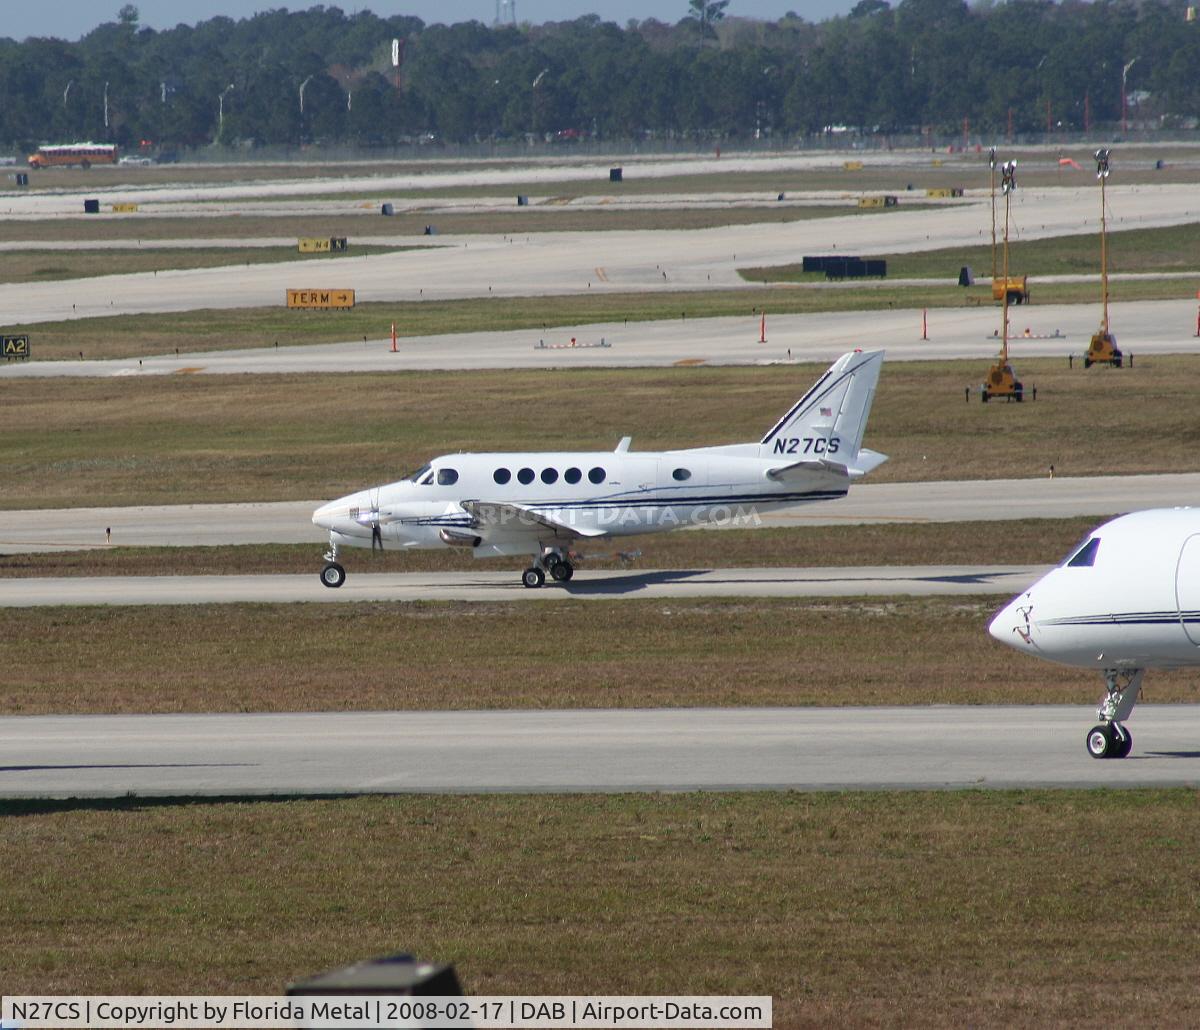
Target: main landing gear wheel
{"points": [[533, 578], [333, 575], [1107, 741], [562, 571]]}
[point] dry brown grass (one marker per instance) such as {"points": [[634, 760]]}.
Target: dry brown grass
{"points": [[245, 438], [40, 266], [908, 909], [365, 227], [636, 654]]}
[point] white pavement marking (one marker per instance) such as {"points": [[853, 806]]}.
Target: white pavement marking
{"points": [[588, 751]]}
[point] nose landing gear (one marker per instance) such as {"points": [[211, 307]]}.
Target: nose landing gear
{"points": [[332, 575], [1110, 739]]}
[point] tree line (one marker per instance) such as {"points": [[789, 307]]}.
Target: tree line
{"points": [[923, 66]]}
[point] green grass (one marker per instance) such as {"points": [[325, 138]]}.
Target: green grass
{"points": [[438, 656], [861, 909], [1172, 249], [191, 439]]}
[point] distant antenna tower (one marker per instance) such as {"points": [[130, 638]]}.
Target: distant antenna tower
{"points": [[506, 12]]}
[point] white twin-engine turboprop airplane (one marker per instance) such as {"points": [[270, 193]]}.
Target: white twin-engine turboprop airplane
{"points": [[1124, 601], [543, 504]]}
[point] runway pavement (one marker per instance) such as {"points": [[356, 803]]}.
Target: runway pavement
{"points": [[588, 751], [564, 263], [1004, 580], [290, 522], [1143, 328]]}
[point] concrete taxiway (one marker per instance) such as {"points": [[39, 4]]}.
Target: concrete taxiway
{"points": [[564, 263], [290, 522], [676, 584], [1144, 328], [588, 751]]}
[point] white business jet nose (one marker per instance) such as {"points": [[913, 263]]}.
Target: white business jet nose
{"points": [[1010, 625]]}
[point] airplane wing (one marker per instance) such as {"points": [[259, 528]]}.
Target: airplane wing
{"points": [[515, 517]]}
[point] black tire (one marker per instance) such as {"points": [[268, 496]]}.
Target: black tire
{"points": [[333, 575], [1019, 393], [561, 571], [983, 396], [1101, 741], [1124, 746], [1087, 362], [533, 577]]}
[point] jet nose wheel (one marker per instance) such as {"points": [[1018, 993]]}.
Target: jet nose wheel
{"points": [[333, 575], [533, 578], [1107, 741]]}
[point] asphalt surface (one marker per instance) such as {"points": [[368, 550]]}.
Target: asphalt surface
{"points": [[290, 522], [588, 751], [1005, 580]]}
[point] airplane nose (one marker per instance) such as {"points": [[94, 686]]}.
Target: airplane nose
{"points": [[1008, 625], [324, 516]]}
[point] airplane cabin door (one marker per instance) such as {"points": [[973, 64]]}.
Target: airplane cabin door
{"points": [[1187, 587]]}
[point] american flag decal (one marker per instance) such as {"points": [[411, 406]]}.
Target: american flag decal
{"points": [[827, 412]]}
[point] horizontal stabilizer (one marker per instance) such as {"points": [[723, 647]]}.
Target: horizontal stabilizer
{"points": [[515, 517], [867, 461], [798, 468]]}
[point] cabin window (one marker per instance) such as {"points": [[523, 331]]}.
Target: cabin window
{"points": [[447, 477], [502, 476], [549, 476], [1085, 557], [679, 475], [596, 475], [525, 476], [572, 475]]}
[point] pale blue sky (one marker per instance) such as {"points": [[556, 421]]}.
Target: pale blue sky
{"points": [[70, 19]]}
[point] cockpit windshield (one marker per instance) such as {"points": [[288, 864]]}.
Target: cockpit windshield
{"points": [[1084, 556], [415, 477]]}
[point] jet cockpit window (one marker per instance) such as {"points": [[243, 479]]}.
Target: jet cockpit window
{"points": [[596, 475], [427, 478], [572, 475], [447, 477], [681, 474], [1085, 557], [549, 476], [416, 477], [502, 476], [525, 476]]}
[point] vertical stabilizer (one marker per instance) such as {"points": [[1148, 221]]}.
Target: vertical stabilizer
{"points": [[829, 420]]}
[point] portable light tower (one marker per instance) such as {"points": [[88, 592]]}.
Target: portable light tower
{"points": [[1001, 380], [1103, 349]]}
